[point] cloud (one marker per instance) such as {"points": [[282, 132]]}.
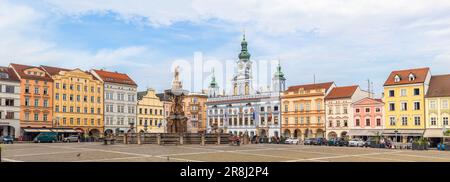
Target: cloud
{"points": [[345, 41]]}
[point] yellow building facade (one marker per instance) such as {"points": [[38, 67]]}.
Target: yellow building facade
{"points": [[404, 98], [150, 116], [77, 101], [303, 110]]}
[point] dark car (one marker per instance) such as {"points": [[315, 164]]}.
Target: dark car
{"points": [[308, 141], [341, 142], [7, 139], [319, 141]]}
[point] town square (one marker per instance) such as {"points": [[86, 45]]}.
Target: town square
{"points": [[112, 82]]}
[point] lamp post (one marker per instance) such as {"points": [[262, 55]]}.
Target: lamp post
{"points": [[396, 131]]}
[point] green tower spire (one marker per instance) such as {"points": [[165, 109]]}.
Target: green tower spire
{"points": [[279, 74], [213, 82], [244, 55]]}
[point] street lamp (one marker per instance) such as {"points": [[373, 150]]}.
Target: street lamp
{"points": [[396, 131]]}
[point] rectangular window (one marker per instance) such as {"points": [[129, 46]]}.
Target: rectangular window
{"points": [[391, 93], [78, 121], [45, 91], [71, 109], [378, 122], [444, 104], [338, 123], [56, 108], [403, 92], [357, 110], [416, 91], [367, 110], [367, 122], [92, 110], [9, 115], [345, 110], [71, 97], [64, 121], [78, 98], [286, 108], [404, 106], [319, 119], [57, 96], [45, 103], [71, 121], [433, 121], [392, 121], [417, 120], [36, 117], [64, 97], [64, 109], [9, 102], [57, 85], [404, 121], [64, 86], [357, 123], [27, 101], [345, 123], [36, 102], [71, 86], [36, 90], [92, 122], [330, 124], [377, 109], [9, 89], [445, 121], [27, 89], [391, 106], [416, 105]]}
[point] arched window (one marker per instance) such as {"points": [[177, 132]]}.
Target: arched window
{"points": [[397, 78]]}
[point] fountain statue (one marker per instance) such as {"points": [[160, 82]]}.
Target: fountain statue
{"points": [[176, 121]]}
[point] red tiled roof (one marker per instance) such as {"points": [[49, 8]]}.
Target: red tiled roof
{"points": [[115, 77], [419, 73], [53, 70], [19, 68], [342, 92], [9, 74], [439, 86], [295, 88]]}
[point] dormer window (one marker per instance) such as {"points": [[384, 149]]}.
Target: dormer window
{"points": [[397, 78], [4, 75], [411, 77]]}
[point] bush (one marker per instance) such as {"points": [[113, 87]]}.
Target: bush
{"points": [[420, 144]]}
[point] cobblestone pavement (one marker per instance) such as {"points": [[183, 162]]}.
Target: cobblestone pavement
{"points": [[96, 152]]}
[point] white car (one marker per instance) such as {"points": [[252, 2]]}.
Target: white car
{"points": [[291, 141], [356, 142]]}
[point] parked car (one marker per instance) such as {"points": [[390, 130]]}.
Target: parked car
{"points": [[356, 142], [46, 137], [308, 141], [341, 142], [291, 141], [7, 139], [331, 142], [319, 141], [72, 138]]}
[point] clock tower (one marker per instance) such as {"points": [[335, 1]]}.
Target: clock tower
{"points": [[242, 81]]}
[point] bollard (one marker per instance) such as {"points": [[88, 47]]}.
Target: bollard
{"points": [[181, 139], [202, 140], [139, 139], [125, 139], [158, 139]]}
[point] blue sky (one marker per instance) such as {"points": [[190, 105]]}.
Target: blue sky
{"points": [[343, 41]]}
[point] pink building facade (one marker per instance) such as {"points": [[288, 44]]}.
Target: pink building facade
{"points": [[368, 118]]}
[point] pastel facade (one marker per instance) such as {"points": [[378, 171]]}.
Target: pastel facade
{"points": [[77, 100], [195, 110], [120, 100], [150, 118], [404, 98], [9, 103], [368, 118], [437, 108], [339, 113], [36, 90], [303, 110]]}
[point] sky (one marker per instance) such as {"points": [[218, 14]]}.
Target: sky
{"points": [[347, 42]]}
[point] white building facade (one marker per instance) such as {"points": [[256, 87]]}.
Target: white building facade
{"points": [[246, 111], [120, 109], [339, 111], [9, 103]]}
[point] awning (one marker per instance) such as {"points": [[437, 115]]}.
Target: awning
{"points": [[403, 132], [433, 133], [65, 131], [362, 132], [36, 130]]}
